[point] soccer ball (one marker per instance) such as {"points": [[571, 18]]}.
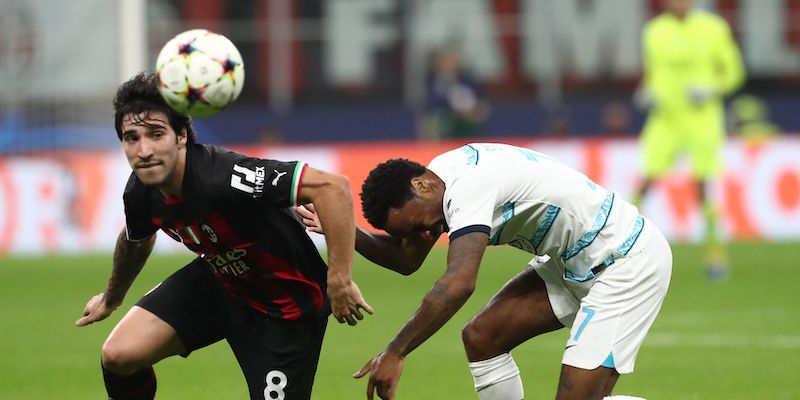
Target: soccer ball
{"points": [[200, 72]]}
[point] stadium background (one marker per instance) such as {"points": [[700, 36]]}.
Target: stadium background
{"points": [[340, 84]]}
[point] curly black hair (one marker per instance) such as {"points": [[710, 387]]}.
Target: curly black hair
{"points": [[388, 186], [140, 95]]}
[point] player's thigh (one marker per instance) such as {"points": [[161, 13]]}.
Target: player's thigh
{"points": [[194, 306], [579, 384], [278, 358], [705, 150], [139, 340], [660, 147], [518, 312]]}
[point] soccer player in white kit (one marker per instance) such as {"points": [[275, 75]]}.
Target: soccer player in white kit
{"points": [[599, 267]]}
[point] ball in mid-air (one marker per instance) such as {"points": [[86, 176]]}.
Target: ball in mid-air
{"points": [[200, 72]]}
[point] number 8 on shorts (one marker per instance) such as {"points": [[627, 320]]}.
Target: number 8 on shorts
{"points": [[276, 381]]}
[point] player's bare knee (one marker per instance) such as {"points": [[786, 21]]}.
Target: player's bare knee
{"points": [[116, 359], [477, 342]]}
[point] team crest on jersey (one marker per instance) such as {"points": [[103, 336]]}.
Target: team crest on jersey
{"points": [[253, 182], [210, 233]]}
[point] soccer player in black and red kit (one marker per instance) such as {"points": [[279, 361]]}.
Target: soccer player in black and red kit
{"points": [[258, 280]]}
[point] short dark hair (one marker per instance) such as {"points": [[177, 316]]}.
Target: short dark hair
{"points": [[140, 95], [388, 186]]}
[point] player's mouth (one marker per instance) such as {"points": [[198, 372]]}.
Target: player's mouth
{"points": [[147, 165]]}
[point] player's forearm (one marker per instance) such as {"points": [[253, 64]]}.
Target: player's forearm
{"points": [[334, 207], [733, 72], [129, 258], [439, 305], [387, 252], [447, 296]]}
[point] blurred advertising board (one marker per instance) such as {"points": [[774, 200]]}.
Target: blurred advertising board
{"points": [[71, 202]]}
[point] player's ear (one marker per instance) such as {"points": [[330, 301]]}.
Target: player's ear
{"points": [[182, 136], [419, 185], [422, 184]]}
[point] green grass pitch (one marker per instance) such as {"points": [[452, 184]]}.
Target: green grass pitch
{"points": [[738, 339]]}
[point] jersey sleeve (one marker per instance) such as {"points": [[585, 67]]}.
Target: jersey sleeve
{"points": [[653, 74], [272, 182], [138, 221], [731, 71], [469, 206]]}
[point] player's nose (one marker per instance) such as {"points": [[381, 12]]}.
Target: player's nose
{"points": [[145, 149]]}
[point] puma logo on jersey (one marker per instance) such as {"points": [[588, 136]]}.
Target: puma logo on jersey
{"points": [[278, 176]]}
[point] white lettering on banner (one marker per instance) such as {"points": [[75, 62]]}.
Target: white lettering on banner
{"points": [[620, 163], [38, 213], [587, 38], [8, 209], [44, 191], [763, 184], [621, 172], [764, 37], [107, 212], [469, 25], [354, 33]]}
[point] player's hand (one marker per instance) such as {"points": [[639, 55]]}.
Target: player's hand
{"points": [[699, 95], [347, 301], [96, 310], [644, 99], [384, 370], [308, 215]]}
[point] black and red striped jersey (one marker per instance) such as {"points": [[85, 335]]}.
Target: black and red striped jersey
{"points": [[235, 214]]}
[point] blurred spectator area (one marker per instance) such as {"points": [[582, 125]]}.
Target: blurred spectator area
{"points": [[355, 70]]}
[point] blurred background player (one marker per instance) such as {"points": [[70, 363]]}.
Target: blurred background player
{"points": [[691, 61], [749, 118], [258, 281], [455, 104]]}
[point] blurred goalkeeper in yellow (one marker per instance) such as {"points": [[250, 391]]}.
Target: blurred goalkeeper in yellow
{"points": [[691, 61]]}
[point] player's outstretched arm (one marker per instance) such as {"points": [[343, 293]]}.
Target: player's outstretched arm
{"points": [[402, 255], [444, 299], [333, 203], [129, 258]]}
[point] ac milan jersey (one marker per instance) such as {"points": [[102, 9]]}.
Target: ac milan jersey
{"points": [[234, 214]]}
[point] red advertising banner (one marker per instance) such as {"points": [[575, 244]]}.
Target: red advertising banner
{"points": [[72, 202]]}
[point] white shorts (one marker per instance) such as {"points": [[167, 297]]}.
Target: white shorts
{"points": [[610, 315]]}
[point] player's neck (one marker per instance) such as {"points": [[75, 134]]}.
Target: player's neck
{"points": [[680, 15]]}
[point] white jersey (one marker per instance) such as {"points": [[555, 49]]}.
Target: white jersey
{"points": [[535, 203]]}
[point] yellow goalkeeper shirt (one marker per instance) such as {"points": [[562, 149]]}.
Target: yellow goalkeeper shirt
{"points": [[696, 53]]}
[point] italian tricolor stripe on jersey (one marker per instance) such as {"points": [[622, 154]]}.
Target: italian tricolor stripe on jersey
{"points": [[299, 170]]}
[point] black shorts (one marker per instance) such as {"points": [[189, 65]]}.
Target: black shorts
{"points": [[278, 357]]}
